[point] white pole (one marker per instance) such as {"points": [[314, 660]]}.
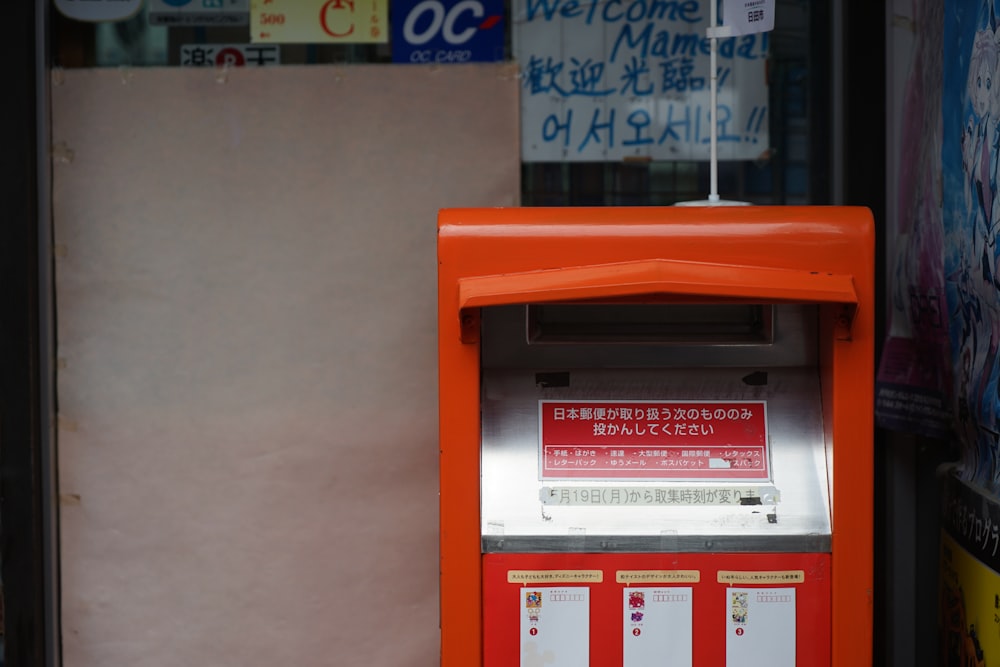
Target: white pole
{"points": [[713, 195]]}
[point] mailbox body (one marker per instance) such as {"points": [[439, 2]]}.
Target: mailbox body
{"points": [[550, 312]]}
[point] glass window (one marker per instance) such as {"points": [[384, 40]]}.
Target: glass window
{"points": [[783, 173]]}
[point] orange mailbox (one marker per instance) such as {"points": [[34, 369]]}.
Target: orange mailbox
{"points": [[656, 436]]}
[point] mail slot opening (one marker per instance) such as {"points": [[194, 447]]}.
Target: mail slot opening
{"points": [[679, 324]]}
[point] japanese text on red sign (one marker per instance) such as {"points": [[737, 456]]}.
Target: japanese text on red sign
{"points": [[666, 440]]}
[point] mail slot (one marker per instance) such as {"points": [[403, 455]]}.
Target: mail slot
{"points": [[656, 436]]}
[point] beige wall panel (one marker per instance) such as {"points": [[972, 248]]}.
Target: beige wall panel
{"points": [[246, 296]]}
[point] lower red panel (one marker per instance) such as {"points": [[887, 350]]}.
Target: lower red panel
{"points": [[506, 576]]}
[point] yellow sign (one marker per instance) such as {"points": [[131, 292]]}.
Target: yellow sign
{"points": [[768, 578], [555, 576], [319, 21], [969, 617]]}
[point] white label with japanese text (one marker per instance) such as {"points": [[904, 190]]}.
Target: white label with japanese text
{"points": [[658, 496]]}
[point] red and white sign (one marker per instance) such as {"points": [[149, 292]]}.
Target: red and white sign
{"points": [[674, 440], [230, 55]]}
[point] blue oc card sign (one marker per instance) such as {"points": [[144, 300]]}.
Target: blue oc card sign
{"points": [[447, 31]]}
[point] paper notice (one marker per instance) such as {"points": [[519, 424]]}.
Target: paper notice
{"points": [[745, 17], [555, 626], [657, 627], [760, 627]]}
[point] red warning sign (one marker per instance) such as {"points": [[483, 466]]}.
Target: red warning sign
{"points": [[673, 440]]}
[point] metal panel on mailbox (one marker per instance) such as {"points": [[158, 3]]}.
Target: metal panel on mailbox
{"points": [[664, 458]]}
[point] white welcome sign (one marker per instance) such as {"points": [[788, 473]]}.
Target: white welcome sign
{"points": [[606, 80]]}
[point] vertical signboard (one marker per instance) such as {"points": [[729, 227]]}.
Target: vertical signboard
{"points": [[631, 78]]}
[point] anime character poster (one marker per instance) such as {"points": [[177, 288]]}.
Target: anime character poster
{"points": [[913, 389], [970, 147], [940, 368]]}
